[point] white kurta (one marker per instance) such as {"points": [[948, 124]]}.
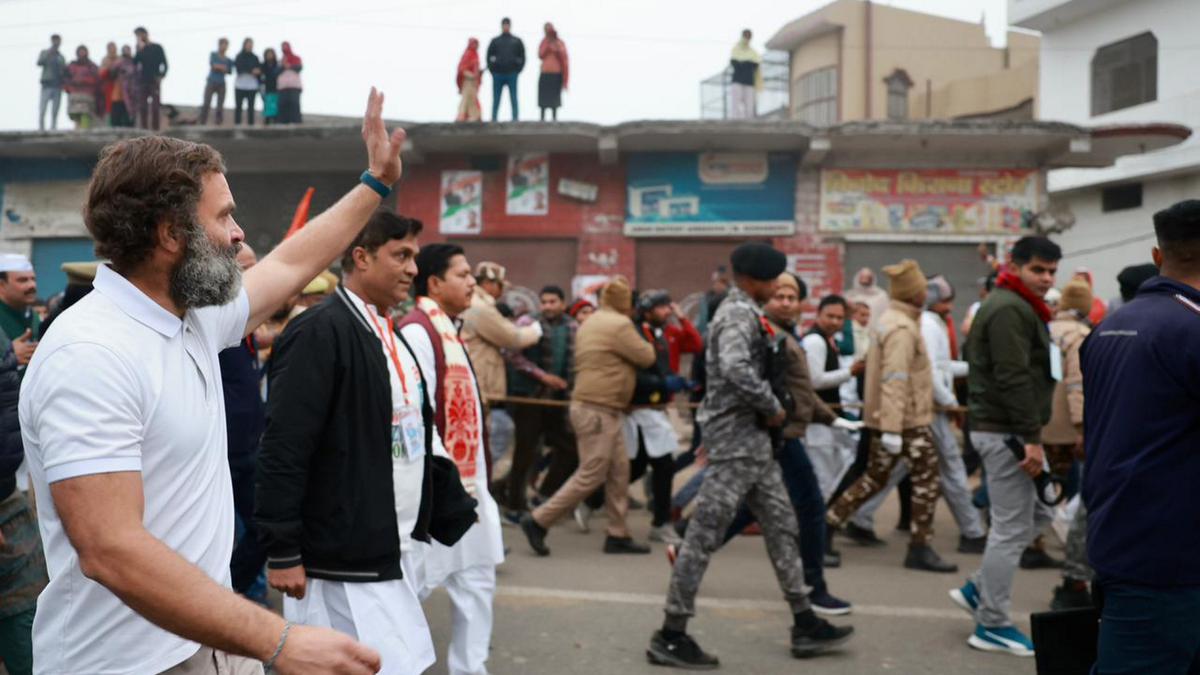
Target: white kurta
{"points": [[386, 615], [658, 434], [466, 570], [830, 450]]}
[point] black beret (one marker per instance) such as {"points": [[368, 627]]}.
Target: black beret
{"points": [[1131, 278], [758, 261]]}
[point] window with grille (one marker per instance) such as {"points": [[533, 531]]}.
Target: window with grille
{"points": [[817, 97], [1125, 74]]}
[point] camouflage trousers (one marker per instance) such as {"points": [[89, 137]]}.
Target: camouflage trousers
{"points": [[726, 484], [922, 457], [1076, 567]]}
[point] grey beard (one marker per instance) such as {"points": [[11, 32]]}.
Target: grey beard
{"points": [[207, 275]]}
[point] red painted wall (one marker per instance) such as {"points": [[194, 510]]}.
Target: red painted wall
{"points": [[420, 189]]}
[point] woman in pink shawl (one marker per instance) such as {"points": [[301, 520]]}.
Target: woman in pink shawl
{"points": [[467, 78], [290, 86], [555, 71]]}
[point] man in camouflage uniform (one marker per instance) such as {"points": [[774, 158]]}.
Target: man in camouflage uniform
{"points": [[737, 408], [898, 412]]}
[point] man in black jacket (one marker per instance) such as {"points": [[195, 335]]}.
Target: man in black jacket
{"points": [[342, 465], [506, 60]]}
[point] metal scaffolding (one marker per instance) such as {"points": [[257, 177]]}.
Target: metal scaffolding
{"points": [[772, 101]]}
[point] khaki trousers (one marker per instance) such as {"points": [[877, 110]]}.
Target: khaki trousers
{"points": [[209, 661], [603, 460]]}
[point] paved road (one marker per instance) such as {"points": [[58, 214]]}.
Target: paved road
{"points": [[580, 611]]}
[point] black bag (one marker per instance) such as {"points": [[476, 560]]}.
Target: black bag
{"points": [[452, 511], [1065, 641]]}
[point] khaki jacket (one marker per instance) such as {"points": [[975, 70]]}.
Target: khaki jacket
{"points": [[608, 353], [809, 407], [486, 332], [1066, 417], [899, 386]]}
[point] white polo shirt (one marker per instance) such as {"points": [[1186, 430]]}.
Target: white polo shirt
{"points": [[121, 384]]}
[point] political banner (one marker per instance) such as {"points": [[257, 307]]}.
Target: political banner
{"points": [[528, 188], [461, 203]]}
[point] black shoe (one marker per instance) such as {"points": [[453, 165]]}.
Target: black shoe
{"points": [[821, 637], [904, 525], [862, 536], [536, 534], [510, 517], [624, 545], [926, 559], [972, 544], [681, 652], [1037, 559], [1071, 595], [832, 560]]}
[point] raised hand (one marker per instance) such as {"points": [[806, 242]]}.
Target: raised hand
{"points": [[383, 151]]}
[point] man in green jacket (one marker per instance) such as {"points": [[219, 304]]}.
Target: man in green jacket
{"points": [[1011, 384]]}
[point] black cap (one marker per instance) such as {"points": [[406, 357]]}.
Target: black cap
{"points": [[651, 299], [1131, 278], [758, 261]]}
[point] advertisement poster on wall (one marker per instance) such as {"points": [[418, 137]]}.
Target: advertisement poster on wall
{"points": [[933, 201], [528, 189], [461, 203], [710, 194]]}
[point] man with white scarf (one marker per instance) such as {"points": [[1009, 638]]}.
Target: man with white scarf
{"points": [[443, 287]]}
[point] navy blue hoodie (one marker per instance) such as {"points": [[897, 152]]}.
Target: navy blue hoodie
{"points": [[1141, 484]]}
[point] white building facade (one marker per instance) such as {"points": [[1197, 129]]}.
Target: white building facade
{"points": [[1109, 62]]}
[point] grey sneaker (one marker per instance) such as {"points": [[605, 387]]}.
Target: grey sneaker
{"points": [[665, 534], [583, 513]]}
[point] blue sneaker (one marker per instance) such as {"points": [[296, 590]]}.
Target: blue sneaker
{"points": [[830, 605], [966, 597], [1008, 640]]}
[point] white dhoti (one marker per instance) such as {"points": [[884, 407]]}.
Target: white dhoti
{"points": [[384, 615], [831, 452], [658, 434], [471, 592]]}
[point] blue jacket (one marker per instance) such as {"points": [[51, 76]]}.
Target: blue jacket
{"points": [[1141, 484]]}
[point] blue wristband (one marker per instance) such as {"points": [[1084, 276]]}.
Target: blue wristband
{"points": [[372, 182]]}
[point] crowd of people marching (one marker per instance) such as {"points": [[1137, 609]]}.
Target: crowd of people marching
{"points": [[349, 449]]}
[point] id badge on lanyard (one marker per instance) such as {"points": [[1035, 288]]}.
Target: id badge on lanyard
{"points": [[408, 433]]}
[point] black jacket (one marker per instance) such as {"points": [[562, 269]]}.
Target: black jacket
{"points": [[324, 487], [506, 54], [12, 450]]}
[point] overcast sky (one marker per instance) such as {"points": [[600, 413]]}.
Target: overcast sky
{"points": [[630, 59]]}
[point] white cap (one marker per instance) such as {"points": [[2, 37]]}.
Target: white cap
{"points": [[14, 262]]}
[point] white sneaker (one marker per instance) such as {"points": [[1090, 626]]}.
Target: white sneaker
{"points": [[665, 534], [583, 513]]}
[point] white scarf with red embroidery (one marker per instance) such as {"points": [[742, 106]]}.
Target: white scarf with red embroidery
{"points": [[463, 429]]}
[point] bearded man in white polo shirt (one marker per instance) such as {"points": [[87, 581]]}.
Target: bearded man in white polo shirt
{"points": [[123, 421]]}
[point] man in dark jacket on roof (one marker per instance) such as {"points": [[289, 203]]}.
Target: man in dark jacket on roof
{"points": [[506, 60], [1141, 431]]}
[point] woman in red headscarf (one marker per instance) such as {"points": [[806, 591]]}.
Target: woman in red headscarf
{"points": [[467, 79], [290, 86], [555, 70]]}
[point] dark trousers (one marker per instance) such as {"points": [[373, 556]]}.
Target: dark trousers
{"points": [[1148, 630], [805, 493], [499, 82], [212, 91], [535, 424], [149, 97], [249, 557], [119, 115], [289, 107], [244, 97], [663, 473]]}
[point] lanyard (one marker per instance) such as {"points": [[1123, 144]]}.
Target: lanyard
{"points": [[390, 346]]}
